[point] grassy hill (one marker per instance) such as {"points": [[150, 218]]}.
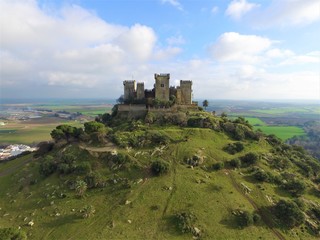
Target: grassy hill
{"points": [[209, 178]]}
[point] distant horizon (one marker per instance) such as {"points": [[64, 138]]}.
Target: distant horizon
{"points": [[109, 100]]}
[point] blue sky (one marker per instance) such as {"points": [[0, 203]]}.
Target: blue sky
{"points": [[237, 49]]}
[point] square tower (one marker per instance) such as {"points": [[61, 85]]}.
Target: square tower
{"points": [[140, 91], [129, 89], [162, 86], [186, 92]]}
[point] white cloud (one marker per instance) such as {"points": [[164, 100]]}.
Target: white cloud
{"points": [[237, 8], [174, 3], [71, 47], [313, 57], [279, 53], [284, 13], [138, 41], [232, 46]]}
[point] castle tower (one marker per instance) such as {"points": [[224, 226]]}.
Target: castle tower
{"points": [[140, 91], [186, 92], [162, 86], [129, 89]]}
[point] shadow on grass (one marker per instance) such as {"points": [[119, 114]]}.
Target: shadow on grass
{"points": [[170, 226], [230, 222], [61, 220]]}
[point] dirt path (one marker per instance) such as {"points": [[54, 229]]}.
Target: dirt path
{"points": [[10, 170], [174, 186], [109, 147], [264, 217]]}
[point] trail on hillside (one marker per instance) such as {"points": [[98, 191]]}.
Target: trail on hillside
{"points": [[264, 217], [174, 187], [10, 170]]}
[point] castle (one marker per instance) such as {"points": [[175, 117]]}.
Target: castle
{"points": [[162, 91]]}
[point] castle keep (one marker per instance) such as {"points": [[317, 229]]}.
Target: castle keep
{"points": [[162, 91]]}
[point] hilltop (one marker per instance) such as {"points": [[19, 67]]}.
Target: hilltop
{"points": [[169, 175]]}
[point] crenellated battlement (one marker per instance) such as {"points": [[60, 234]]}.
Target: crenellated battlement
{"points": [[134, 92]]}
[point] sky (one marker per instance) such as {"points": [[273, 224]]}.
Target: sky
{"points": [[230, 49]]}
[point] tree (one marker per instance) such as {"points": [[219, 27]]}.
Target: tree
{"points": [[205, 104], [81, 188], [289, 213]]}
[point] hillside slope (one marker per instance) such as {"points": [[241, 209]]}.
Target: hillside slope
{"points": [[163, 182]]}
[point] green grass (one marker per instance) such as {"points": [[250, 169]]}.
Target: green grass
{"points": [[255, 121], [284, 110], [283, 132], [210, 195], [29, 133]]}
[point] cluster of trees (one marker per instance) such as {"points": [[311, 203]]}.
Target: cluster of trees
{"points": [[310, 141], [234, 148], [93, 130], [67, 164]]}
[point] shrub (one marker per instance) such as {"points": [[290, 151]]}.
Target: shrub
{"points": [[80, 188], [234, 148], [12, 234], [88, 211], [193, 161], [249, 159], [159, 167], [289, 213], [295, 187], [185, 221], [235, 162], [245, 219], [48, 166], [93, 180], [261, 175], [218, 166], [83, 168]]}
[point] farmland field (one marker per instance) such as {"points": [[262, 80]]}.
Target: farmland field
{"points": [[29, 133]]}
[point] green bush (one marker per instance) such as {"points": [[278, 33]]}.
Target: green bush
{"points": [[295, 187], [12, 234], [249, 159], [261, 175], [234, 148], [160, 167], [288, 213], [83, 168], [235, 163], [194, 161], [48, 166], [185, 221], [218, 166], [245, 219], [94, 180]]}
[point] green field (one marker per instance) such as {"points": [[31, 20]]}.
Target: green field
{"points": [[285, 110], [255, 121], [91, 111], [29, 133], [282, 132]]}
